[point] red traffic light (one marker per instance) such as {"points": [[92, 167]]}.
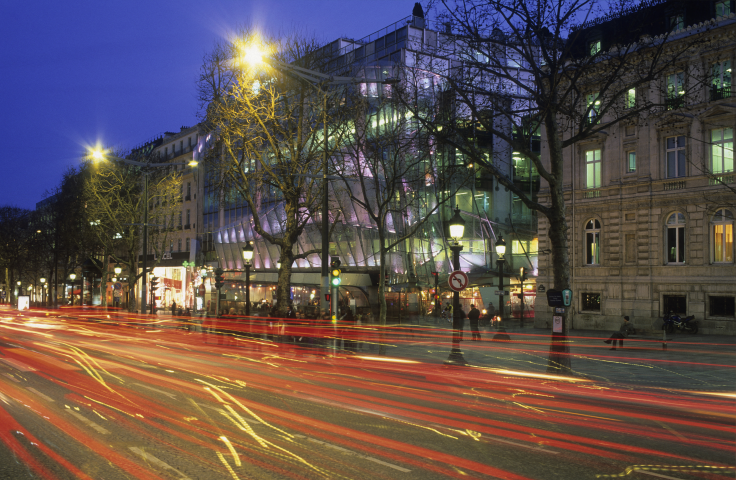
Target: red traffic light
{"points": [[434, 274], [327, 297]]}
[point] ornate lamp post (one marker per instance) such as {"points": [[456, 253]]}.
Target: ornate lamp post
{"points": [[500, 251], [72, 276], [247, 257], [457, 230], [43, 292]]}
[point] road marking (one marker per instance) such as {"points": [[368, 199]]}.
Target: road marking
{"points": [[10, 376], [161, 464], [646, 472], [170, 395], [351, 452], [17, 364], [48, 399], [671, 430], [89, 422]]}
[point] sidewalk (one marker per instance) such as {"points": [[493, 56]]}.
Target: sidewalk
{"points": [[691, 362]]}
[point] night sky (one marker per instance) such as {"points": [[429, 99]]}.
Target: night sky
{"points": [[78, 72]]}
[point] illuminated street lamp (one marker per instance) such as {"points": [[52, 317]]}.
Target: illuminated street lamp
{"points": [[43, 291], [247, 257], [99, 155], [500, 251], [72, 276], [457, 230]]}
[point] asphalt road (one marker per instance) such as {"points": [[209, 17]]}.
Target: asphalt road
{"points": [[98, 396]]}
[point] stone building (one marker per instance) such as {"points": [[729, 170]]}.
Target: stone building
{"points": [[651, 203]]}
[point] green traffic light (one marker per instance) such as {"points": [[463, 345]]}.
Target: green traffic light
{"points": [[336, 281]]}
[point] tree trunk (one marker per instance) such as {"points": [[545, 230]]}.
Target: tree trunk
{"points": [[559, 350], [283, 288]]}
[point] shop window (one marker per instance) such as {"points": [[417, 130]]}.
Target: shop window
{"points": [[676, 238], [721, 306], [675, 304], [721, 232], [592, 242], [591, 302], [676, 160], [721, 150]]}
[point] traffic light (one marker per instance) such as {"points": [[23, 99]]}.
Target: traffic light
{"points": [[434, 274], [219, 278], [327, 297], [522, 274], [154, 284], [335, 271]]}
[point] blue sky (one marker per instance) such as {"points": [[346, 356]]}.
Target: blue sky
{"points": [[121, 72]]}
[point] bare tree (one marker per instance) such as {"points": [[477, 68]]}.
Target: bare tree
{"points": [[515, 68], [270, 143], [390, 174], [114, 208]]}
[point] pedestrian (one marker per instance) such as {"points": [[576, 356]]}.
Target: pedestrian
{"points": [[447, 313], [173, 307], [474, 316], [460, 326], [623, 332]]}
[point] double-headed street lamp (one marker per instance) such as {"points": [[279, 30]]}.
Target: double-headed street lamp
{"points": [[457, 230], [146, 168], [247, 257], [254, 55], [43, 292]]}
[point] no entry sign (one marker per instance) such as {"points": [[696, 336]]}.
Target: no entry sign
{"points": [[458, 281]]}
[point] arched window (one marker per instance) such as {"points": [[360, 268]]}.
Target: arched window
{"points": [[675, 238], [721, 232], [592, 242]]}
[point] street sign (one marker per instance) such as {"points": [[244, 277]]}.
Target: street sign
{"points": [[541, 289], [559, 310], [567, 297], [118, 286], [554, 298], [458, 281], [499, 292]]}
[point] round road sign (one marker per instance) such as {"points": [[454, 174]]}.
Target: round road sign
{"points": [[458, 281]]}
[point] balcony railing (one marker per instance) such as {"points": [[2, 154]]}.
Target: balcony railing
{"points": [[720, 93], [187, 226], [679, 185], [673, 103], [721, 179], [592, 194]]}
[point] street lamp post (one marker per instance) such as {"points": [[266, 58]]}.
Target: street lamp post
{"points": [[247, 257], [72, 276], [146, 168], [118, 271], [457, 230], [501, 251], [43, 292]]}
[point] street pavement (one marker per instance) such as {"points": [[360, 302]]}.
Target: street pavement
{"points": [[86, 393]]}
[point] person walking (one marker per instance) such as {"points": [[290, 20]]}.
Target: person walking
{"points": [[474, 316], [623, 332]]}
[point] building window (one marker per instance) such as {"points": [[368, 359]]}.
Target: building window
{"points": [[723, 8], [721, 306], [188, 215], [187, 244], [721, 230], [179, 219], [675, 304], [592, 302], [677, 22], [594, 47], [178, 245], [676, 238], [593, 169], [721, 80], [676, 156], [631, 98], [189, 189], [593, 106], [592, 242], [675, 90], [171, 246], [631, 162], [721, 150]]}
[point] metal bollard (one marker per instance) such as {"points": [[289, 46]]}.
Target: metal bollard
{"points": [[664, 339]]}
